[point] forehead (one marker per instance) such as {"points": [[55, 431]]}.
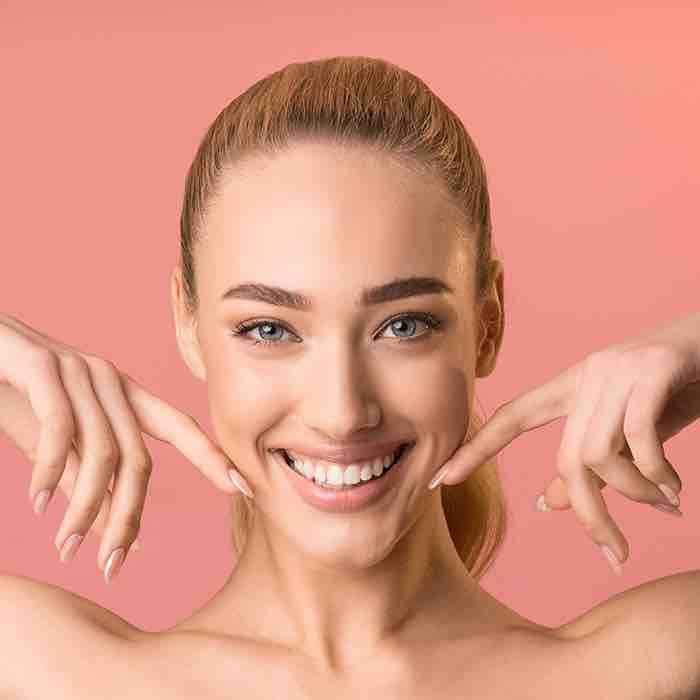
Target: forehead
{"points": [[321, 217]]}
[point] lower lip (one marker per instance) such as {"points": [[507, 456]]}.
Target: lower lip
{"points": [[348, 500]]}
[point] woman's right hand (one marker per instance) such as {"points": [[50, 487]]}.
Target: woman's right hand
{"points": [[90, 418]]}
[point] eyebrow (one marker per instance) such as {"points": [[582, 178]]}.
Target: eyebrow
{"points": [[400, 288]]}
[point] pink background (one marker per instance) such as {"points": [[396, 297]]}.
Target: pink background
{"points": [[587, 120]]}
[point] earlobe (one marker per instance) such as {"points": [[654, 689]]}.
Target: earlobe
{"points": [[486, 358], [190, 351]]}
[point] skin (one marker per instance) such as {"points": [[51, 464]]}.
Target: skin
{"points": [[320, 606], [348, 379]]}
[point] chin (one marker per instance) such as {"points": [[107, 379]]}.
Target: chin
{"points": [[345, 545]]}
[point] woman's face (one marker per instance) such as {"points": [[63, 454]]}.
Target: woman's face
{"points": [[328, 222]]}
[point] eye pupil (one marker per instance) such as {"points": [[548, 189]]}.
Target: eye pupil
{"points": [[265, 327], [400, 321]]}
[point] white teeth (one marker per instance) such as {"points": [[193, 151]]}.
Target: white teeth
{"points": [[333, 474], [351, 475]]}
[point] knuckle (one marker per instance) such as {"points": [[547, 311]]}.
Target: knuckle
{"points": [[634, 426], [99, 364], [53, 469], [91, 509], [564, 463], [599, 358], [61, 420], [594, 358], [41, 358], [614, 362], [132, 524], [105, 452], [655, 471], [590, 525], [627, 361], [510, 414], [662, 355], [597, 527], [504, 408], [72, 363], [188, 420], [142, 464], [594, 454]]}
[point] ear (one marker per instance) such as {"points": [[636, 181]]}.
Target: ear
{"points": [[491, 321], [186, 327]]}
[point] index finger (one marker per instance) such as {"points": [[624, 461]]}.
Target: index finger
{"points": [[531, 409], [164, 422]]}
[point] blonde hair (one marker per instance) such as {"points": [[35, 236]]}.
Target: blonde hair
{"points": [[376, 104]]}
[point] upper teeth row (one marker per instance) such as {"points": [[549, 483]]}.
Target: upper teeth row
{"points": [[327, 472]]}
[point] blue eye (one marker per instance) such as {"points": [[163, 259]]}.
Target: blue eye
{"points": [[265, 326]]}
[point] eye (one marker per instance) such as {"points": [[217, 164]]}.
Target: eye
{"points": [[397, 324], [409, 320], [244, 328]]}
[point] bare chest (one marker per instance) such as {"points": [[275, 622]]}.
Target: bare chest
{"points": [[520, 666]]}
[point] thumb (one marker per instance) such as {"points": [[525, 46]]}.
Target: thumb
{"points": [[556, 495]]}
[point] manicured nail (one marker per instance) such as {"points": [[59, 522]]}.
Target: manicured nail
{"points": [[667, 509], [541, 505], [610, 556], [114, 563], [70, 547], [41, 500], [239, 483], [670, 494], [438, 478], [135, 545]]}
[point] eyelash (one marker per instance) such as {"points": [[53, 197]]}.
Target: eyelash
{"points": [[431, 321]]}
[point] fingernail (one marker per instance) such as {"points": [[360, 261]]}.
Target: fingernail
{"points": [[610, 556], [670, 494], [70, 547], [438, 478], [541, 505], [239, 483], [114, 563], [41, 501], [135, 545], [667, 509]]}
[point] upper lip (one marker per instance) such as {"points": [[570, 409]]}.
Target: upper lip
{"points": [[349, 454]]}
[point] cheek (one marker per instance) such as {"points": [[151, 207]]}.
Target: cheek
{"points": [[241, 405], [438, 397], [432, 396]]}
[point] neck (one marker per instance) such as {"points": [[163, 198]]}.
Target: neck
{"points": [[338, 618]]}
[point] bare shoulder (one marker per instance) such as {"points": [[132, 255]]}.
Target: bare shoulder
{"points": [[28, 602], [49, 621], [646, 638]]}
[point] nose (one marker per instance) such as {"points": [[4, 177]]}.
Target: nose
{"points": [[341, 401]]}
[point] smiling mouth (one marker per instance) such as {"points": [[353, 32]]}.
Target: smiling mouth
{"points": [[404, 449]]}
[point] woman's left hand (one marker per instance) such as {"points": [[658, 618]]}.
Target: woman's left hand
{"points": [[621, 404]]}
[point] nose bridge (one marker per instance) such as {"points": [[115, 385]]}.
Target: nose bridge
{"points": [[339, 393]]}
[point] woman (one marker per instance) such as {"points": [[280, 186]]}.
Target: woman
{"points": [[338, 295]]}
